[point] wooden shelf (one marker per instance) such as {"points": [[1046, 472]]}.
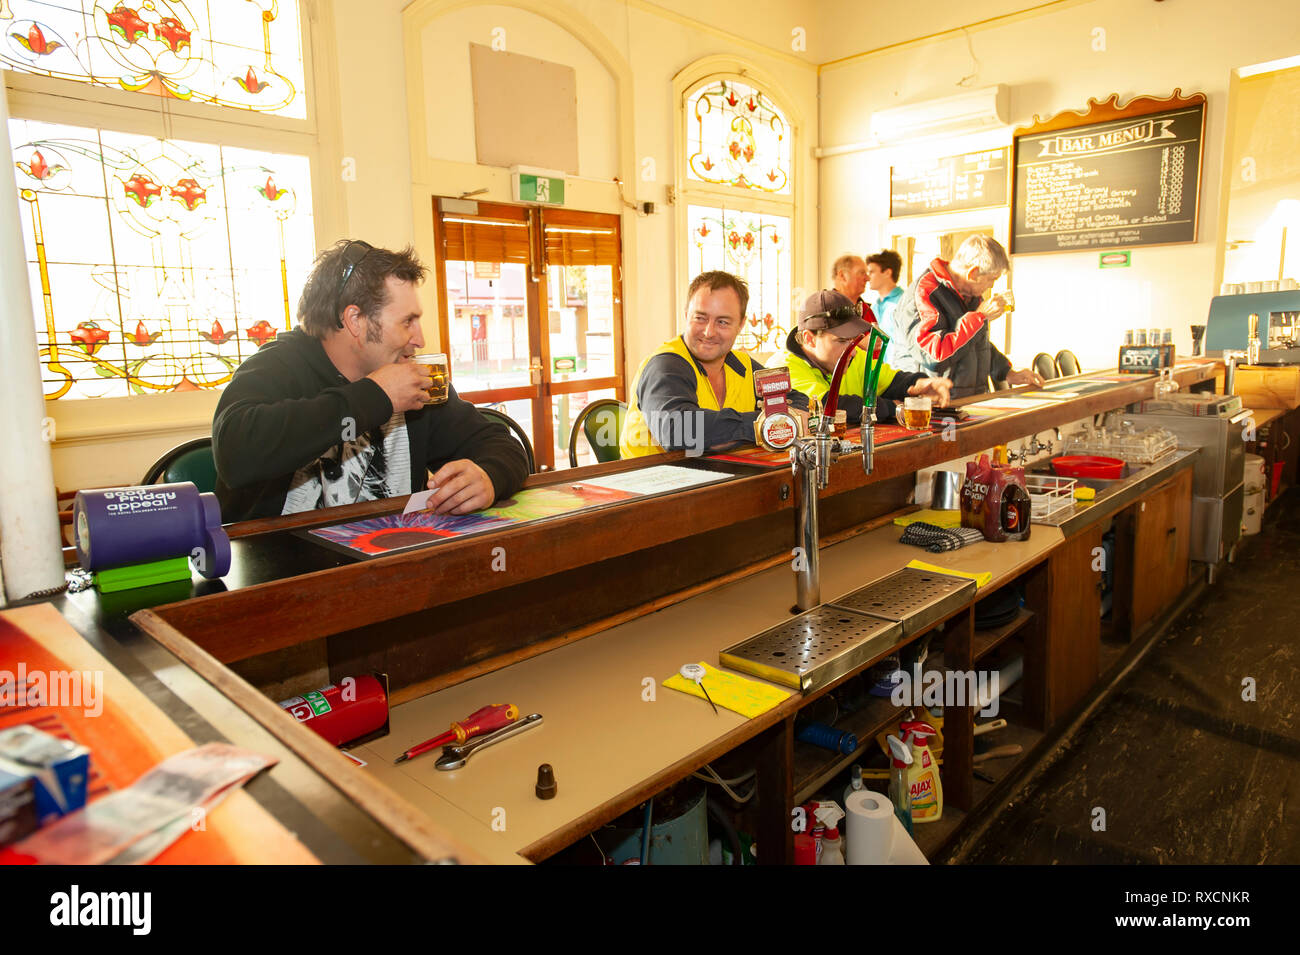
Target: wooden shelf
{"points": [[984, 641], [815, 766]]}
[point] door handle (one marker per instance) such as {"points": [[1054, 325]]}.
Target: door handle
{"points": [[535, 369]]}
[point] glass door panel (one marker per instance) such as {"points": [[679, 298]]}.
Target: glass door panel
{"points": [[487, 314]]}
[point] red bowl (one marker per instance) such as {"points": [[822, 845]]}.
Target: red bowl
{"points": [[1088, 466]]}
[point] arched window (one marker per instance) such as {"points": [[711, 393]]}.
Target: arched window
{"points": [[163, 154], [736, 186]]}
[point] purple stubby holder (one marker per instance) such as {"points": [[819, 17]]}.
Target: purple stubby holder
{"points": [[121, 526]]}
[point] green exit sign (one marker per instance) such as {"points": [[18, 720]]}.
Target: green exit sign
{"points": [[1115, 260], [538, 185]]}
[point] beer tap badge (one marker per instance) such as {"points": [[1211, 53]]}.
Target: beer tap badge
{"points": [[776, 428]]}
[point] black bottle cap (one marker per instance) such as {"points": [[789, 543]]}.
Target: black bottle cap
{"points": [[546, 787]]}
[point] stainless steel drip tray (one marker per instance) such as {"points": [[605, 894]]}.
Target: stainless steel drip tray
{"points": [[814, 648], [914, 598]]}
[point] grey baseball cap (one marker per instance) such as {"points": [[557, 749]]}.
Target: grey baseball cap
{"points": [[829, 310]]}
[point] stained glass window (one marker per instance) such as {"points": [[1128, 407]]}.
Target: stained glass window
{"points": [[737, 137], [156, 265], [244, 54], [756, 247]]}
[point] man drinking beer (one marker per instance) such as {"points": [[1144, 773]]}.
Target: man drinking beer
{"points": [[335, 411]]}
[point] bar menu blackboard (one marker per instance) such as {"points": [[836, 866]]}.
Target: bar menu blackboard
{"points": [[1129, 181], [969, 181]]}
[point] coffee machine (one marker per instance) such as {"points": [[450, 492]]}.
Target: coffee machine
{"points": [[1278, 326]]}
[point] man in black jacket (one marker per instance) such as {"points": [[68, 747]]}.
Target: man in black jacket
{"points": [[334, 411]]}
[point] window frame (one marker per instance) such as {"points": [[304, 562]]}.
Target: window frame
{"points": [[37, 98], [734, 198]]}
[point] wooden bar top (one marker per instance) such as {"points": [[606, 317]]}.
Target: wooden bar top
{"points": [[307, 592], [610, 747]]}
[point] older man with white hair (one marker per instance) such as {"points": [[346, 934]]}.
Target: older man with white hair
{"points": [[942, 321]]}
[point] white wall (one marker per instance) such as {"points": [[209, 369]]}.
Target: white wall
{"points": [[639, 45], [1062, 300]]}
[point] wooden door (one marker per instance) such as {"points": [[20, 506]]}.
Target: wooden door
{"points": [[1073, 645], [1161, 538], [530, 308]]}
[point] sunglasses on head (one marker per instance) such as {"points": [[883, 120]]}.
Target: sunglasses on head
{"points": [[350, 261], [833, 318]]}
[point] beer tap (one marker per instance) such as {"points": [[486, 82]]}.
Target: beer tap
{"points": [[1233, 357], [812, 455]]}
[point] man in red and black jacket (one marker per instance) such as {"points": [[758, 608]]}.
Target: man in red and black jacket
{"points": [[942, 322]]}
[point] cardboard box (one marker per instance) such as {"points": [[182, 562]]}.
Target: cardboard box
{"points": [[59, 769], [17, 808]]}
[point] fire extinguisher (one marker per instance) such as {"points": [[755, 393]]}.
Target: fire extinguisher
{"points": [[344, 711]]}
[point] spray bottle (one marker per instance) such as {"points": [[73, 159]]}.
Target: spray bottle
{"points": [[923, 775], [900, 795]]}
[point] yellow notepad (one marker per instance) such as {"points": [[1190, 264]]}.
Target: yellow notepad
{"points": [[739, 694], [980, 579], [931, 516]]}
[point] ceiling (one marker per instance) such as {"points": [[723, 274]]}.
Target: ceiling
{"points": [[840, 28]]}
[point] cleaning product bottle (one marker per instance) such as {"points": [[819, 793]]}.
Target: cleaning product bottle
{"points": [[900, 794], [923, 774], [832, 848]]}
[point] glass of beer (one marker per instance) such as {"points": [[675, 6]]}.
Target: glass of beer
{"points": [[916, 413], [436, 366]]}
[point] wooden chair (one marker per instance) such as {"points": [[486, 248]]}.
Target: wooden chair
{"points": [[602, 423]]}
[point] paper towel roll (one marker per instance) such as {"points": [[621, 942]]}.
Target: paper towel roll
{"points": [[870, 831]]}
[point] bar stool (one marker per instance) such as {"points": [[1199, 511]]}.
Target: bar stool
{"points": [[600, 419], [513, 427], [1045, 366], [1067, 363], [191, 461]]}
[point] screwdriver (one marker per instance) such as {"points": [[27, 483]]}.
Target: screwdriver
{"points": [[485, 720]]}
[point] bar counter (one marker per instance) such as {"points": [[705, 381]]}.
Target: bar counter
{"points": [[590, 606]]}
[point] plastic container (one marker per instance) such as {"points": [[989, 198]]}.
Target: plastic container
{"points": [[923, 774], [1252, 513], [832, 849], [1088, 466], [1253, 479]]}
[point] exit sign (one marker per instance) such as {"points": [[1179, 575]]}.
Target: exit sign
{"points": [[1115, 260], [542, 186]]}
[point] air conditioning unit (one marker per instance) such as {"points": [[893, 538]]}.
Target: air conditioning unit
{"points": [[964, 113]]}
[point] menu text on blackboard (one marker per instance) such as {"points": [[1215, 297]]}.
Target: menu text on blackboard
{"points": [[969, 181]]}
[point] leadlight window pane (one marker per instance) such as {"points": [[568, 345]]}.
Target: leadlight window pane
{"points": [[242, 54], [755, 247], [736, 137], [156, 265]]}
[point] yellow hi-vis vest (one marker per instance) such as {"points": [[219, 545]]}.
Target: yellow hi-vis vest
{"points": [[636, 440]]}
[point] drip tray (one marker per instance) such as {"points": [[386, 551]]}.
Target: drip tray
{"points": [[814, 648], [914, 598]]}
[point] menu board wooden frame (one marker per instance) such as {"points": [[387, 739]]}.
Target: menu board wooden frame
{"points": [[1106, 111]]}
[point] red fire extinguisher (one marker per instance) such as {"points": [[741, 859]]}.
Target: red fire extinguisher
{"points": [[342, 711]]}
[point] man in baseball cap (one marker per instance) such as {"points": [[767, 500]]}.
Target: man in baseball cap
{"points": [[828, 323]]}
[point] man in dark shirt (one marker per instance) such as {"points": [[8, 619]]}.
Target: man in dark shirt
{"points": [[334, 411]]}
